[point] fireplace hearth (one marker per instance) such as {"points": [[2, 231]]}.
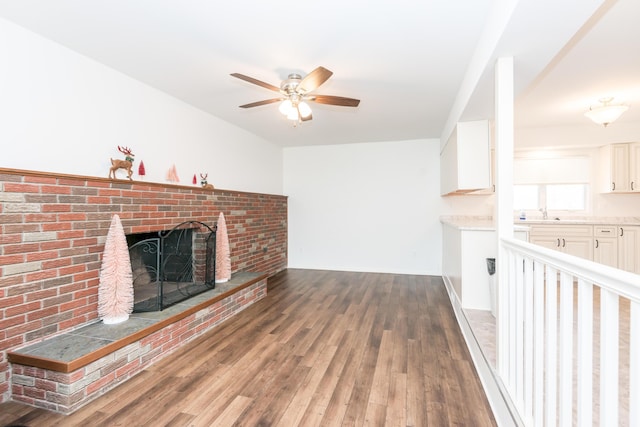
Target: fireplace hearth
{"points": [[170, 266]]}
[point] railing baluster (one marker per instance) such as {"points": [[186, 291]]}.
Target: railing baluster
{"points": [[538, 363], [634, 364], [565, 340], [584, 392], [551, 348], [513, 272], [519, 333], [608, 358], [502, 319], [528, 338]]}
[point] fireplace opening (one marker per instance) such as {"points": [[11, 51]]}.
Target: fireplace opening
{"points": [[170, 266]]}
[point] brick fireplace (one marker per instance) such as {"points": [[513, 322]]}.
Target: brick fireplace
{"points": [[52, 233]]}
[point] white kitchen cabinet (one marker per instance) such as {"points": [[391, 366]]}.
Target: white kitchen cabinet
{"points": [[629, 248], [621, 167], [465, 249], [634, 167], [465, 159], [605, 249], [464, 264], [492, 178], [574, 240]]}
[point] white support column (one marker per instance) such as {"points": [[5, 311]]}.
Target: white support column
{"points": [[504, 146], [504, 198]]}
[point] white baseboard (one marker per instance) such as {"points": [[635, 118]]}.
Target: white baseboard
{"points": [[501, 405]]}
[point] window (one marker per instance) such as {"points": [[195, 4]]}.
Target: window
{"points": [[555, 182], [558, 197]]}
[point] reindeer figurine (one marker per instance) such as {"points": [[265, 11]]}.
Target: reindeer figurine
{"points": [[125, 164], [203, 182]]}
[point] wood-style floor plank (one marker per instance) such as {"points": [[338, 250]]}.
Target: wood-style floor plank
{"points": [[324, 348]]}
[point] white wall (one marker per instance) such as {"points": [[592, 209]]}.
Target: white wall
{"points": [[63, 112], [365, 207]]}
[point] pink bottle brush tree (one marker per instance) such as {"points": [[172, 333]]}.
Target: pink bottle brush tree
{"points": [[172, 174], [115, 291], [223, 255]]}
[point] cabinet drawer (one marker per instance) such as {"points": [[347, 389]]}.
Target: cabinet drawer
{"points": [[562, 230], [604, 230]]}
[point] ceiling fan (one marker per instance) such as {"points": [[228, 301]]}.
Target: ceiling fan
{"points": [[295, 91]]}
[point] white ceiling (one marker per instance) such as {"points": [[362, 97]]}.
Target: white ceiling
{"points": [[405, 60]]}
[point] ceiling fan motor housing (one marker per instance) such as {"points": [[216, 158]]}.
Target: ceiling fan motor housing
{"points": [[289, 85]]}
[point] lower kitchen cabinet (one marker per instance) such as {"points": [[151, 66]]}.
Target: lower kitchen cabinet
{"points": [[617, 246], [575, 240], [629, 248], [605, 249]]}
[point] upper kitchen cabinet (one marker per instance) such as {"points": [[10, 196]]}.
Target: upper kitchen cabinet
{"points": [[620, 165], [465, 160]]}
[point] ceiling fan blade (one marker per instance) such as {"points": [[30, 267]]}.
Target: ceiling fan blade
{"points": [[335, 100], [259, 103], [256, 82], [314, 79]]}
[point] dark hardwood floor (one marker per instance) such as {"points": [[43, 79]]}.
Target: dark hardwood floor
{"points": [[324, 348]]}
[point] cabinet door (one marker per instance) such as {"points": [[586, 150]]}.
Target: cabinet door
{"points": [[578, 246], [551, 242], [620, 167], [464, 160], [634, 167], [605, 251], [629, 249], [492, 188]]}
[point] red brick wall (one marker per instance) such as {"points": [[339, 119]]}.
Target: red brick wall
{"points": [[53, 228]]}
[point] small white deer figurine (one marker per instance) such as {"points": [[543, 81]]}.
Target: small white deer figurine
{"points": [[125, 164]]}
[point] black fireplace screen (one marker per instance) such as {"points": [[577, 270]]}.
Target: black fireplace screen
{"points": [[172, 265]]}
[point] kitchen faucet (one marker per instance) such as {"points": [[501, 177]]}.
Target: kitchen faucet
{"points": [[544, 212]]}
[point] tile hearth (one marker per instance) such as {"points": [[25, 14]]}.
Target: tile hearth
{"points": [[66, 371]]}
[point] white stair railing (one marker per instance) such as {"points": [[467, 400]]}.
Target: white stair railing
{"points": [[568, 338]]}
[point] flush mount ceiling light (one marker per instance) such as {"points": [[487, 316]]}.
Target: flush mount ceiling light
{"points": [[606, 113]]}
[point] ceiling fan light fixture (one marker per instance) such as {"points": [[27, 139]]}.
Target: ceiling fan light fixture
{"points": [[285, 107], [606, 113], [293, 114], [304, 109]]}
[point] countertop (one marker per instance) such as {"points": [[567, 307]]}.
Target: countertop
{"points": [[484, 223], [589, 221], [469, 223]]}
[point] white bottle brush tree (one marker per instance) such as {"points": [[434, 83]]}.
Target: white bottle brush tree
{"points": [[223, 255], [115, 291]]}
